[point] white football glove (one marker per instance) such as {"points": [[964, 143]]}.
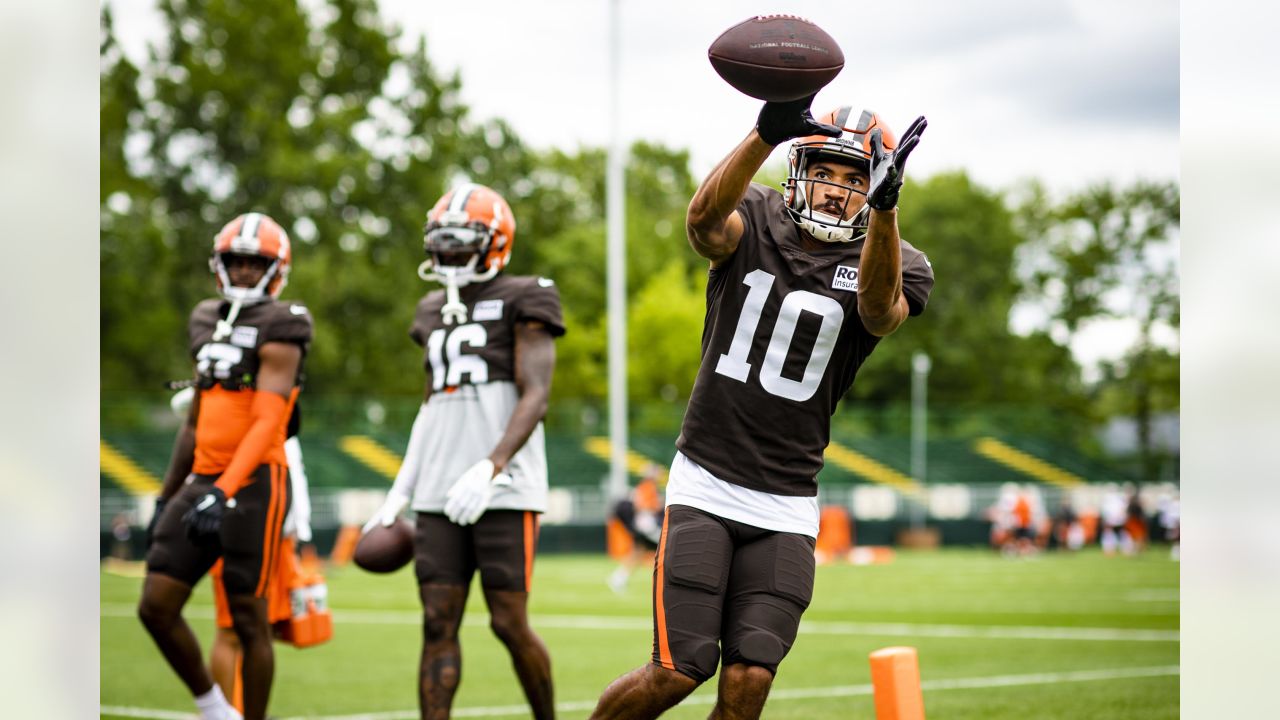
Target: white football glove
{"points": [[647, 525], [467, 500], [298, 521], [391, 508]]}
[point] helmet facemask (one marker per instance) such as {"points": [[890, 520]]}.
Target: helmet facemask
{"points": [[851, 148], [241, 296], [823, 226], [253, 234], [455, 248], [468, 239], [260, 292]]}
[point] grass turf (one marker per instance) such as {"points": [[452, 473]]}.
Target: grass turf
{"points": [[1053, 637]]}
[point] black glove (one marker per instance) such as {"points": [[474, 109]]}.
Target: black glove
{"points": [[782, 121], [204, 519], [887, 167], [155, 519]]}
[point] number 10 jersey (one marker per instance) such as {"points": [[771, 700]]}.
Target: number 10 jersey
{"points": [[781, 344]]}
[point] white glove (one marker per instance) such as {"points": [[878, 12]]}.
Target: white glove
{"points": [[467, 500], [647, 525], [298, 521], [180, 403], [391, 508]]}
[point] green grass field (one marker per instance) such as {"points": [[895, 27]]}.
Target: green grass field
{"points": [[1056, 636]]}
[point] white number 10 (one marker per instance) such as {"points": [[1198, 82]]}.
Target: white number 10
{"points": [[734, 363]]}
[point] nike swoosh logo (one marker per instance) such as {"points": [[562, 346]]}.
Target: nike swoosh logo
{"points": [[298, 309], [206, 502]]}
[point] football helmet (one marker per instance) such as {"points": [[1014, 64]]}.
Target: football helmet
{"points": [[468, 238], [252, 234], [852, 147]]}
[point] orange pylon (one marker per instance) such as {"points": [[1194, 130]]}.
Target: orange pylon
{"points": [[895, 677]]}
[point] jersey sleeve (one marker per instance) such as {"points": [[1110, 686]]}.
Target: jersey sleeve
{"points": [[418, 328], [917, 283], [540, 302], [291, 324], [202, 317]]}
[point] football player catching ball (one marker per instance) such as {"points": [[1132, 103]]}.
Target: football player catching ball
{"points": [[802, 286]]}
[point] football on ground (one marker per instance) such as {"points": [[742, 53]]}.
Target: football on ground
{"points": [[386, 548], [776, 57]]}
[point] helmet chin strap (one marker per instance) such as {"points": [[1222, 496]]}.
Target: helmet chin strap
{"points": [[453, 278], [224, 328], [240, 297]]}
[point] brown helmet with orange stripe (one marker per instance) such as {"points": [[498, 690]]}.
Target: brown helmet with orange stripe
{"points": [[468, 238], [852, 147], [257, 235]]}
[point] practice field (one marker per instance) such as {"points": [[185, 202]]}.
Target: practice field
{"points": [[1053, 637]]}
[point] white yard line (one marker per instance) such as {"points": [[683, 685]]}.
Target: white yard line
{"points": [[708, 698], [816, 627]]}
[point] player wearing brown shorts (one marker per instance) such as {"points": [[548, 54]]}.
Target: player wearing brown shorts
{"points": [[226, 492], [475, 470], [802, 286]]}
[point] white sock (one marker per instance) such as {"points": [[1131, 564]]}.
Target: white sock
{"points": [[213, 705]]}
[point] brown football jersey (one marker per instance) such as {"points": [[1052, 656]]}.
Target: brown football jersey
{"points": [[482, 349], [227, 369], [781, 344]]}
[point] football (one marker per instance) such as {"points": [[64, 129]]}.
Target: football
{"points": [[386, 549], [776, 57]]}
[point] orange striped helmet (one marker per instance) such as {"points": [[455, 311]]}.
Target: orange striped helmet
{"points": [[472, 230], [258, 235], [852, 147]]}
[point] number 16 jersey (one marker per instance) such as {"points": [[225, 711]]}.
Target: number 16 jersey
{"points": [[781, 344], [472, 366]]}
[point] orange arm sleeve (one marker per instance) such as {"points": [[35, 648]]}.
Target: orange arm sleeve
{"points": [[269, 412]]}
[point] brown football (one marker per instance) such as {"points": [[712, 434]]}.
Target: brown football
{"points": [[776, 57], [386, 549]]}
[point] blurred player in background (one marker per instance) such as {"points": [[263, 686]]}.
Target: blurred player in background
{"points": [[802, 286], [1068, 531], [475, 470], [226, 656], [226, 493], [1115, 515], [1169, 518], [641, 514]]}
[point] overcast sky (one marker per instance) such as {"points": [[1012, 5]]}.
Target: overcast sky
{"points": [[1069, 91]]}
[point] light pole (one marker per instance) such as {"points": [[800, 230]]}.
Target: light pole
{"points": [[616, 280], [920, 365]]}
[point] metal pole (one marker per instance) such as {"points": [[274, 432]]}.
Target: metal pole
{"points": [[919, 429], [615, 210]]}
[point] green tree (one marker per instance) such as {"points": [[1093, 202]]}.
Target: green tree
{"points": [[978, 364], [314, 117], [1109, 253]]}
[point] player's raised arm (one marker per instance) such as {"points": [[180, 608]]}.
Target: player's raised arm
{"points": [[881, 304], [713, 224]]}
